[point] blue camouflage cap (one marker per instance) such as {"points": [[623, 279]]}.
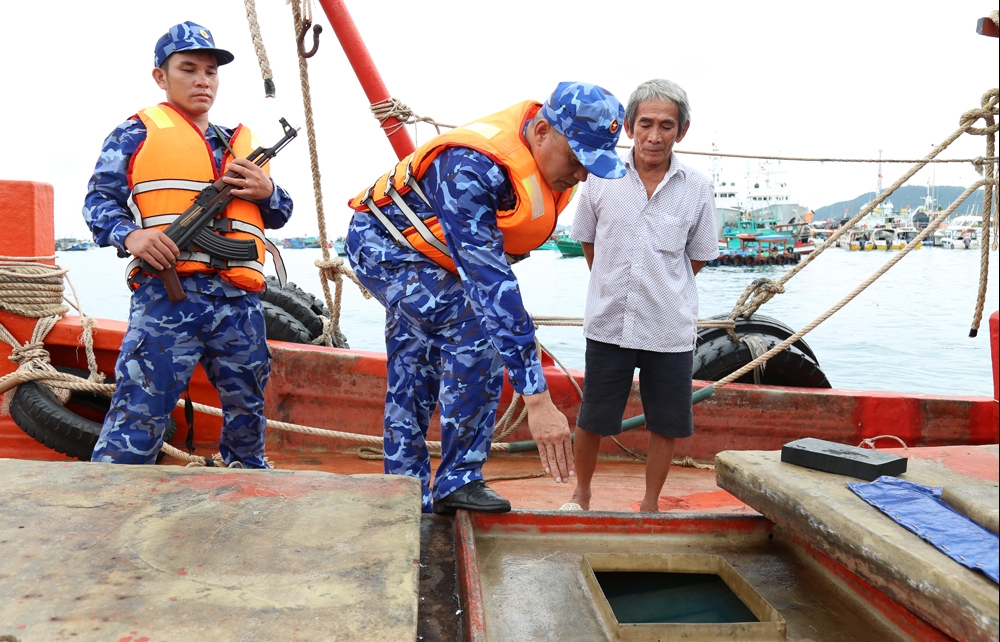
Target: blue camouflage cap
{"points": [[590, 118], [188, 36]]}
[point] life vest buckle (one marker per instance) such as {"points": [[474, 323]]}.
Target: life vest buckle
{"points": [[222, 224]]}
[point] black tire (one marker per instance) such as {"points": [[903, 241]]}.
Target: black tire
{"points": [[720, 357], [286, 299], [37, 411], [309, 319], [757, 324], [314, 302], [282, 326]]}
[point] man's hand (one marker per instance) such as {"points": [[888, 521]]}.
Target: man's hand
{"points": [[550, 430], [252, 184], [153, 246]]}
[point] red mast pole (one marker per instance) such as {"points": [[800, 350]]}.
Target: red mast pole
{"points": [[367, 73]]}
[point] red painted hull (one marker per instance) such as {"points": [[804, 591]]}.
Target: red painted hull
{"points": [[344, 390]]}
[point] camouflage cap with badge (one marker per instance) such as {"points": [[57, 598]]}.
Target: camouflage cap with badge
{"points": [[188, 36], [590, 118]]}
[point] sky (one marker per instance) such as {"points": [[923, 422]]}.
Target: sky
{"points": [[843, 79]]}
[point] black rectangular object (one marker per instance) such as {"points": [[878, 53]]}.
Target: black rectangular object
{"points": [[841, 459]]}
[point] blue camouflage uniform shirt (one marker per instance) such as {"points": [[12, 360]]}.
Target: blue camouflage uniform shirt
{"points": [[106, 211], [466, 189]]}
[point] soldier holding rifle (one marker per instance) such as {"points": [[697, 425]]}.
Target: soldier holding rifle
{"points": [[151, 169]]}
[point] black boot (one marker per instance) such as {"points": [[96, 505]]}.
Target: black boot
{"points": [[473, 496]]}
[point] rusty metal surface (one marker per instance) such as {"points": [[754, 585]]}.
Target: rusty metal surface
{"points": [[822, 510], [106, 552]]}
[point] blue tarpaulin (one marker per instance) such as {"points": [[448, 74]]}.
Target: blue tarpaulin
{"points": [[920, 510]]}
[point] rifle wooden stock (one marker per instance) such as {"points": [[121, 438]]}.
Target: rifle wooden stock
{"points": [[172, 283]]}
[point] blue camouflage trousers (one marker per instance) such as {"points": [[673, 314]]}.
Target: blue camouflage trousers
{"points": [[163, 344], [438, 356]]}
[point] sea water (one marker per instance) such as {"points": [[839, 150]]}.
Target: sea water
{"points": [[908, 332]]}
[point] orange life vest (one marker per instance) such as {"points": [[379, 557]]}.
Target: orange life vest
{"points": [[499, 137], [170, 169]]}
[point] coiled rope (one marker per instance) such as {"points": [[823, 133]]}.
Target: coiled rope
{"points": [[33, 289]]}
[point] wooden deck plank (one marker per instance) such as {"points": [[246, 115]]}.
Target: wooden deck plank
{"points": [[101, 551]]}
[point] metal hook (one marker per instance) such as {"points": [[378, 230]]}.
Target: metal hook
{"points": [[302, 37]]}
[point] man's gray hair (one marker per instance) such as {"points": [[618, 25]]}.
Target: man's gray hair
{"points": [[658, 89]]}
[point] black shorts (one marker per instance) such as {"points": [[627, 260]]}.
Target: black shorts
{"points": [[664, 386]]}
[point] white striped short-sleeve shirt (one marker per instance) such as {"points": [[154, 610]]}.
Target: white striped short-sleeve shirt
{"points": [[642, 293]]}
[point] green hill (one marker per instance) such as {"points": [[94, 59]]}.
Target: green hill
{"points": [[910, 196]]}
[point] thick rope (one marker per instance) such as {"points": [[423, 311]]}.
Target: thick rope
{"points": [[753, 300], [258, 45], [990, 131], [329, 269], [32, 289], [558, 321], [395, 108], [858, 290]]}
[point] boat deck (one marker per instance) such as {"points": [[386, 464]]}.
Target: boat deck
{"points": [[532, 574], [821, 510], [618, 484], [140, 553]]}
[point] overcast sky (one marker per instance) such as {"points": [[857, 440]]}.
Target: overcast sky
{"points": [[799, 78]]}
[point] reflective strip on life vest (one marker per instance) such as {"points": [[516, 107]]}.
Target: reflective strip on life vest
{"points": [[534, 189], [416, 188], [387, 224], [162, 219], [416, 222], [169, 183]]}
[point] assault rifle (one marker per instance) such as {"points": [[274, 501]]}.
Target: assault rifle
{"points": [[193, 226]]}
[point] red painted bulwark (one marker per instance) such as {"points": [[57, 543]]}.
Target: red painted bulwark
{"points": [[995, 344], [27, 208], [345, 390]]}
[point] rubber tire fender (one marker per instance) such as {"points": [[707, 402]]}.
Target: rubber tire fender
{"points": [[303, 306], [282, 326], [315, 304], [287, 300], [720, 357], [759, 324], [37, 411]]}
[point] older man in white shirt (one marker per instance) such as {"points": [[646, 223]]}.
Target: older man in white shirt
{"points": [[645, 237]]}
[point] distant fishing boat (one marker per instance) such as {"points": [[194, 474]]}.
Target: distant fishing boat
{"points": [[754, 206], [73, 245], [568, 246], [301, 242], [550, 244], [759, 249]]}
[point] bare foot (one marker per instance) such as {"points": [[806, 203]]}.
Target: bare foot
{"points": [[582, 498], [649, 507]]}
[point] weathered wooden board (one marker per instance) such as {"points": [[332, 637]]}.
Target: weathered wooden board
{"points": [[821, 509], [108, 552]]}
